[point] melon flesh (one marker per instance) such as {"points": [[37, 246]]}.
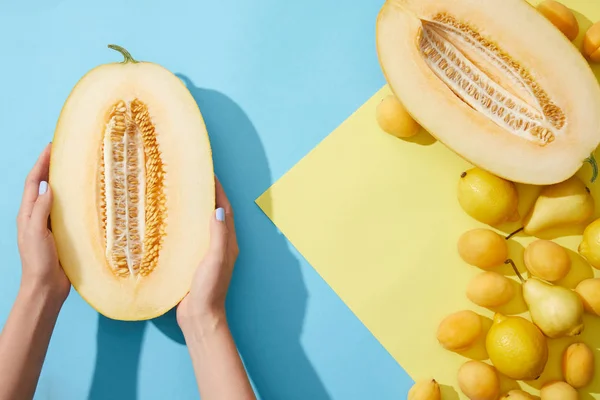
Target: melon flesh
{"points": [[495, 82], [132, 174]]}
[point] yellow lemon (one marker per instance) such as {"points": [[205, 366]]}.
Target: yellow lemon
{"points": [[517, 348], [488, 198], [393, 118]]}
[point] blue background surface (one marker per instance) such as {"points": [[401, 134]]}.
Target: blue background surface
{"points": [[272, 78]]}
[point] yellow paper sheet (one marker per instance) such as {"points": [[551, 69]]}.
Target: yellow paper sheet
{"points": [[378, 218]]}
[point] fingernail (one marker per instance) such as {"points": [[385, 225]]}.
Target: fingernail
{"points": [[220, 214], [43, 187]]}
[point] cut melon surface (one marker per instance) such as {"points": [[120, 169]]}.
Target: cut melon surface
{"points": [[132, 175], [495, 82]]}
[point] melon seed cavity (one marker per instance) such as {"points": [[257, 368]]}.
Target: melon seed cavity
{"points": [[131, 191], [489, 80]]}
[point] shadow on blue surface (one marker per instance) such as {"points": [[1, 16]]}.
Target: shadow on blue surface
{"points": [[118, 355], [117, 359], [267, 298]]}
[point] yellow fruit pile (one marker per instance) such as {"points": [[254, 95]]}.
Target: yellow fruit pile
{"points": [[517, 346]]}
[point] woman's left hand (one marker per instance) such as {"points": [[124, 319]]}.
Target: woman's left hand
{"points": [[41, 271]]}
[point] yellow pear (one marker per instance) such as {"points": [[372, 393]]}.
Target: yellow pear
{"points": [[556, 310], [426, 389], [564, 204], [589, 248]]}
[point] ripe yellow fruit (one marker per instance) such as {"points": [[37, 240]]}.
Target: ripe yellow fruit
{"points": [[490, 289], [591, 43], [589, 248], [458, 331], [578, 365], [558, 390], [561, 17], [393, 118], [516, 347], [459, 66], [566, 204], [134, 188], [547, 260], [482, 248], [427, 389], [488, 198], [518, 395], [589, 291], [478, 381]]}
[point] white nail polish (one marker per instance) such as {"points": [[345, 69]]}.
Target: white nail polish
{"points": [[220, 214], [43, 187]]}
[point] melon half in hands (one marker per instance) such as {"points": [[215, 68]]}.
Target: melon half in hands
{"points": [[132, 174], [495, 82]]}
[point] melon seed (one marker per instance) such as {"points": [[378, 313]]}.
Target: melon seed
{"points": [[513, 100], [131, 191]]}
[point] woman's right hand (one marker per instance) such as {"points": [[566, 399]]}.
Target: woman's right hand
{"points": [[210, 284], [201, 314]]}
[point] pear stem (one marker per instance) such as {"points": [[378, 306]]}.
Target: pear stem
{"points": [[125, 53], [592, 161], [514, 233], [514, 267]]}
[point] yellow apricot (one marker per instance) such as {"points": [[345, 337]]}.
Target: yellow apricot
{"points": [[518, 395], [589, 291], [458, 331], [547, 260], [591, 43], [558, 390], [578, 365], [490, 289], [482, 248], [478, 381], [561, 17]]}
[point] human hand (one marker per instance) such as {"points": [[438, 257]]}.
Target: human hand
{"points": [[41, 271], [206, 298]]}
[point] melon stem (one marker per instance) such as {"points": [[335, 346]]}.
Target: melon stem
{"points": [[592, 161], [514, 233], [514, 267], [125, 53]]}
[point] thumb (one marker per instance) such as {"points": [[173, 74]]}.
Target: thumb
{"points": [[41, 208], [218, 235]]}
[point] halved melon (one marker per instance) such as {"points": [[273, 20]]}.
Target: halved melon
{"points": [[495, 82], [132, 174]]}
